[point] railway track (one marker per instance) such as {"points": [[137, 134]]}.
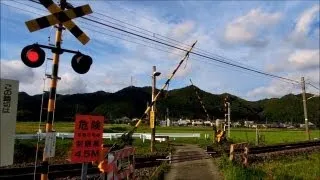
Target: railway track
{"points": [[270, 148], [283, 147], [65, 170]]}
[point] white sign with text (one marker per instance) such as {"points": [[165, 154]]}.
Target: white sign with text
{"points": [[8, 117]]}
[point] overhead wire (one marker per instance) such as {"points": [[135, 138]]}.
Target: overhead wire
{"points": [[195, 53], [175, 42], [313, 86], [204, 60], [153, 35], [201, 55]]}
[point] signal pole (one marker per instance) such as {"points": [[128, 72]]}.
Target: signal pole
{"points": [[153, 126], [303, 85], [53, 86]]}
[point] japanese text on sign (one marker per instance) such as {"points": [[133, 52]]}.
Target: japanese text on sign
{"points": [[151, 119], [87, 138], [6, 98]]}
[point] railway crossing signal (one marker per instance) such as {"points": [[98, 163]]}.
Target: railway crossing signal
{"points": [[33, 55], [60, 16], [81, 63]]}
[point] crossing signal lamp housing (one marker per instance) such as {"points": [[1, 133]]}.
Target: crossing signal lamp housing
{"points": [[81, 63], [32, 56]]}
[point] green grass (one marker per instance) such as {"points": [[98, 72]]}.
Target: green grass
{"points": [[305, 166], [272, 136]]}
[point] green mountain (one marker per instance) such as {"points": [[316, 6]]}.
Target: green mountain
{"points": [[181, 103]]}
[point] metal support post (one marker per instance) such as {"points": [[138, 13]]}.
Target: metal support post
{"points": [[303, 85], [229, 121], [153, 130], [53, 86], [257, 136], [84, 171]]}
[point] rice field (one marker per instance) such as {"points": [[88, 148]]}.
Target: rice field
{"points": [[271, 136]]}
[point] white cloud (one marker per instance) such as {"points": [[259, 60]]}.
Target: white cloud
{"points": [[277, 88], [31, 80], [302, 27], [245, 29], [306, 18], [300, 60], [16, 70], [181, 30], [303, 59], [71, 83]]}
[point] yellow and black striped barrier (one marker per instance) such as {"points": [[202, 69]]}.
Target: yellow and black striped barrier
{"points": [[59, 16], [200, 100], [126, 135]]}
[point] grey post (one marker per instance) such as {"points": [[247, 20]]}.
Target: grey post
{"points": [[153, 130], [303, 85], [229, 120], [84, 171]]}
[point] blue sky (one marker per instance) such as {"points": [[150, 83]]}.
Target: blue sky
{"points": [[279, 37]]}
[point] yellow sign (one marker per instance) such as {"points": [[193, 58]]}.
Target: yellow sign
{"points": [[151, 119]]}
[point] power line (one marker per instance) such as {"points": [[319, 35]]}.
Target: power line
{"points": [[201, 55], [177, 47], [195, 53], [313, 86], [153, 35]]}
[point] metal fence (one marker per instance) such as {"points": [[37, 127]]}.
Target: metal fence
{"points": [[143, 136]]}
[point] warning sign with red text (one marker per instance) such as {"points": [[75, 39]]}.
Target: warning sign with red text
{"points": [[87, 138]]}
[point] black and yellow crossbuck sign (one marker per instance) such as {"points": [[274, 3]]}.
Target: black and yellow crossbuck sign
{"points": [[59, 16]]}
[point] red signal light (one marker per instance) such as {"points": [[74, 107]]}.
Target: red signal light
{"points": [[32, 56]]}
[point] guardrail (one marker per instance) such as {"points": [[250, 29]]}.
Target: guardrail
{"points": [[143, 136]]}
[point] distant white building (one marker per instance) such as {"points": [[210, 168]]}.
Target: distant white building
{"points": [[163, 123], [208, 123], [248, 123], [168, 122], [236, 124], [310, 124], [197, 123], [184, 122]]}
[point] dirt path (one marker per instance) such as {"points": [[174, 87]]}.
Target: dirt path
{"points": [[192, 163]]}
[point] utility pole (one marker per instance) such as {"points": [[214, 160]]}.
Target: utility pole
{"points": [[152, 112], [229, 121], [303, 85], [225, 112]]}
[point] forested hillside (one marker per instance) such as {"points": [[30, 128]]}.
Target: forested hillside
{"points": [[181, 103]]}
